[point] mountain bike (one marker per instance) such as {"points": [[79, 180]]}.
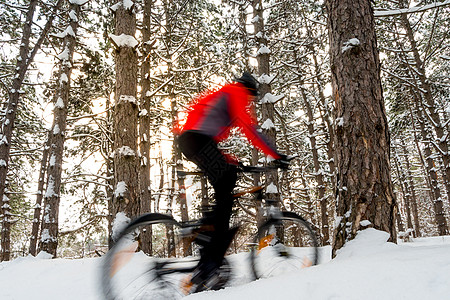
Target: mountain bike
{"points": [[283, 242]]}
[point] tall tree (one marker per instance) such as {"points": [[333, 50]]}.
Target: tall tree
{"points": [[26, 56], [414, 43], [126, 199], [412, 190], [39, 197], [364, 186], [145, 122], [49, 229], [265, 80], [430, 105]]}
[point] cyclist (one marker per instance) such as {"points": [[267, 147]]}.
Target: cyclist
{"points": [[209, 121]]}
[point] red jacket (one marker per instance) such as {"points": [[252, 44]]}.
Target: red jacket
{"points": [[217, 113]]}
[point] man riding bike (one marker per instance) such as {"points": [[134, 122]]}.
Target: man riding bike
{"points": [[208, 122]]}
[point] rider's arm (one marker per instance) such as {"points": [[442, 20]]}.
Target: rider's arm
{"points": [[244, 118]]}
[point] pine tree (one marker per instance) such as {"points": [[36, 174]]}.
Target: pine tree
{"points": [[26, 55], [49, 229], [365, 194], [126, 160]]}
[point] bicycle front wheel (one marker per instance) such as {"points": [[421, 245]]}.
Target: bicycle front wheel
{"points": [[283, 244], [147, 261]]}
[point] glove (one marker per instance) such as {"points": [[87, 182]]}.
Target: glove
{"points": [[283, 162]]}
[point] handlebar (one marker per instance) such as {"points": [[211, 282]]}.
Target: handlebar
{"points": [[246, 169]]}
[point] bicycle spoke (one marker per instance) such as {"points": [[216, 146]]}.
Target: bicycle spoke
{"points": [[128, 274], [166, 289], [279, 250]]}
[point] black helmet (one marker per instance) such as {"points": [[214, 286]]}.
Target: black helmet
{"points": [[249, 82]]}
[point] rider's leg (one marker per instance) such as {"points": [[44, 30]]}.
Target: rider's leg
{"points": [[203, 151]]}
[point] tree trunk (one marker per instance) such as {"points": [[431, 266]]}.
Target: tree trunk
{"points": [[177, 158], [182, 195], [309, 203], [405, 191], [172, 251], [326, 118], [25, 58], [39, 197], [161, 181], [419, 150], [267, 108], [144, 127], [415, 210], [318, 172], [49, 231], [7, 126], [431, 173], [126, 162], [364, 187], [427, 94]]}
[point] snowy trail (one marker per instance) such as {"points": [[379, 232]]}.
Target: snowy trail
{"points": [[367, 268]]}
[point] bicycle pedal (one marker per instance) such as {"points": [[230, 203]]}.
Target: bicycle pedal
{"points": [[187, 287], [265, 241], [214, 283]]}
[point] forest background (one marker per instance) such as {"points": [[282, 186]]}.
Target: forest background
{"points": [[94, 87]]}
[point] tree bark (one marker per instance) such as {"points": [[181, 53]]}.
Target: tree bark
{"points": [[7, 126], [39, 197], [431, 174], [267, 108], [49, 229], [405, 191], [144, 127], [415, 210], [318, 172], [419, 70], [326, 118], [364, 187], [126, 161]]}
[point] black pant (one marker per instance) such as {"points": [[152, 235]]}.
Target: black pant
{"points": [[203, 151]]}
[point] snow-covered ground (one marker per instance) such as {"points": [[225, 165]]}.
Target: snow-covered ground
{"points": [[366, 268]]}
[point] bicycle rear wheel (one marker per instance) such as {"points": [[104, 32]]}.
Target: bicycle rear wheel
{"points": [[283, 244], [129, 273]]}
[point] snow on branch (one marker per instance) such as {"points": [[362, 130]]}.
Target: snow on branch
{"points": [[271, 189], [401, 11], [127, 98], [268, 124], [270, 98], [78, 2], [121, 189], [350, 44], [67, 31], [263, 50], [265, 79], [123, 40], [126, 4], [126, 151], [120, 222]]}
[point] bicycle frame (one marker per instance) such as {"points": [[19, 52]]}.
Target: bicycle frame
{"points": [[272, 210], [197, 231]]}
